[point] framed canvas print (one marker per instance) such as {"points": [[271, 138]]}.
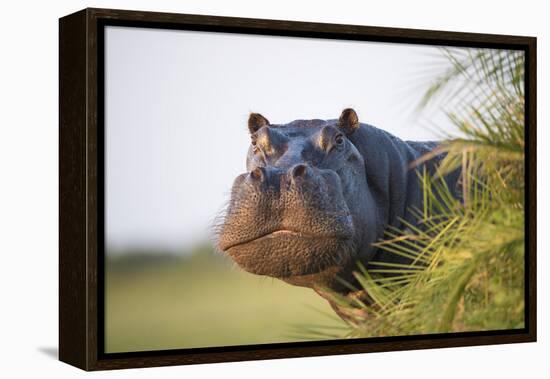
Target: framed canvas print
{"points": [[239, 189]]}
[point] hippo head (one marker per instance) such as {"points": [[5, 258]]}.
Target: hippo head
{"points": [[302, 212]]}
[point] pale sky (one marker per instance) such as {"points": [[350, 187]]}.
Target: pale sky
{"points": [[177, 103]]}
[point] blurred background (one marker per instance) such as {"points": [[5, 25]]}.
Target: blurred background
{"points": [[176, 109]]}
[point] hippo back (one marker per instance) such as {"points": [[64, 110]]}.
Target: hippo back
{"points": [[392, 177]]}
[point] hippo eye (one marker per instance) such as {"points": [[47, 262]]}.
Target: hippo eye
{"points": [[255, 148], [253, 142], [339, 139]]}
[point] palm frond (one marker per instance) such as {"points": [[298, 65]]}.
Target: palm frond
{"points": [[465, 256]]}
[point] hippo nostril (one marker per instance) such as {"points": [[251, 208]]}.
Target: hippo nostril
{"points": [[257, 174], [299, 170]]}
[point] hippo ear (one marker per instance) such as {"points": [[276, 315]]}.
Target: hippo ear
{"points": [[256, 121], [348, 121]]}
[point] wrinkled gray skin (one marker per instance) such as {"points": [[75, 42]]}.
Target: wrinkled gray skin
{"points": [[316, 195]]}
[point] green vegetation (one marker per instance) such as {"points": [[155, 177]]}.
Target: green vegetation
{"points": [[161, 301], [467, 269]]}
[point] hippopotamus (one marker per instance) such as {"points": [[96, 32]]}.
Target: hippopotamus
{"points": [[317, 194]]}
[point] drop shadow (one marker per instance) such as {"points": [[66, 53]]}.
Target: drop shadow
{"points": [[50, 351]]}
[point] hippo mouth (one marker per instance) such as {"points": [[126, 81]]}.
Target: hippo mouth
{"points": [[282, 233], [285, 253]]}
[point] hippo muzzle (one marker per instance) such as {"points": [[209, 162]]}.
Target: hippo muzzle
{"points": [[288, 222]]}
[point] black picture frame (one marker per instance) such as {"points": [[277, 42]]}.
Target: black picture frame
{"points": [[81, 160]]}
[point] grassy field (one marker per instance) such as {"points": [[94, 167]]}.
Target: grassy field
{"points": [[155, 301]]}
